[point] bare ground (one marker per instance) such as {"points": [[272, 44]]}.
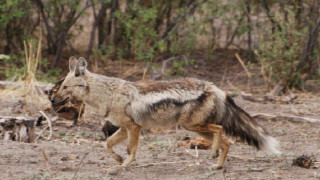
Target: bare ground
{"points": [[79, 151]]}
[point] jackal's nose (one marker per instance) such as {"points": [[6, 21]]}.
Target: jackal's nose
{"points": [[52, 100]]}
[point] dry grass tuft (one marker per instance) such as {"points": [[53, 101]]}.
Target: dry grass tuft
{"points": [[27, 88]]}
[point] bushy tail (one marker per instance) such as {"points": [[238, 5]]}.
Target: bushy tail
{"points": [[238, 123]]}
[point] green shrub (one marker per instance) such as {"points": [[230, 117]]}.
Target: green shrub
{"points": [[280, 52]]}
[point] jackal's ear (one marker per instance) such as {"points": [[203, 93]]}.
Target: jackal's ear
{"points": [[72, 63], [81, 67]]}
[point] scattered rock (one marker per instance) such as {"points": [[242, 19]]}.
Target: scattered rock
{"points": [[114, 171]]}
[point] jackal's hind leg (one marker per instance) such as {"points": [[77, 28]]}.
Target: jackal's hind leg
{"points": [[224, 147], [209, 136], [133, 136], [115, 139]]}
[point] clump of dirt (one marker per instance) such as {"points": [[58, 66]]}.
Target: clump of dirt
{"points": [[305, 162]]}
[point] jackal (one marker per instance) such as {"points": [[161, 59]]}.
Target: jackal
{"points": [[68, 110], [194, 104], [73, 109]]}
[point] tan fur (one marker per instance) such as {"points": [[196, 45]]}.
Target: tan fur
{"points": [[196, 105]]}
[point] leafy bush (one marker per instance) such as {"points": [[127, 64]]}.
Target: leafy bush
{"points": [[15, 23], [281, 52]]}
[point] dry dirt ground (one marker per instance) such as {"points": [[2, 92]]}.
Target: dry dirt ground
{"points": [[79, 151]]}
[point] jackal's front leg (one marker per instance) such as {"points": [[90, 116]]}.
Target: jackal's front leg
{"points": [[133, 136], [217, 136], [115, 139]]}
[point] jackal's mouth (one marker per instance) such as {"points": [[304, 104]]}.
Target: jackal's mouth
{"points": [[61, 103]]}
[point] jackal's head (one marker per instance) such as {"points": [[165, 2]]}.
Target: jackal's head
{"points": [[74, 86]]}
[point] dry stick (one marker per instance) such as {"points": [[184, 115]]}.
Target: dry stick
{"points": [[223, 77], [84, 156], [245, 68], [197, 153], [288, 117], [233, 87], [75, 173], [49, 125], [276, 89], [240, 157], [152, 164], [145, 71], [47, 160], [165, 64], [263, 73], [41, 132]]}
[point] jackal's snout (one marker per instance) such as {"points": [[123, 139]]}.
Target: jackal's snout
{"points": [[59, 101]]}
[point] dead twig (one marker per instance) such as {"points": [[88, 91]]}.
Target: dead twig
{"points": [[287, 117], [194, 155], [245, 68], [153, 164], [165, 64], [233, 87], [75, 173], [240, 157], [49, 125], [84, 156], [46, 160], [276, 89], [266, 79], [249, 97], [145, 70], [223, 77]]}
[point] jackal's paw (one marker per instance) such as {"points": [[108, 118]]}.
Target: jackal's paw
{"points": [[216, 166], [215, 154]]}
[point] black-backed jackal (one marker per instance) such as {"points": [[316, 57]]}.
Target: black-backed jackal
{"points": [[71, 108], [194, 104]]}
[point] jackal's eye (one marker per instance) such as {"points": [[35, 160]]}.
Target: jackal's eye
{"points": [[65, 87]]}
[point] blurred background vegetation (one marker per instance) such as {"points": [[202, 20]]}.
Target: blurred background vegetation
{"points": [[279, 36]]}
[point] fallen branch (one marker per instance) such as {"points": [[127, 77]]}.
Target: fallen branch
{"points": [[245, 68], [49, 125], [75, 173], [249, 97], [18, 128], [276, 90], [286, 117], [159, 75], [43, 86], [84, 156], [233, 87], [223, 77], [194, 155], [152, 164], [240, 157]]}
